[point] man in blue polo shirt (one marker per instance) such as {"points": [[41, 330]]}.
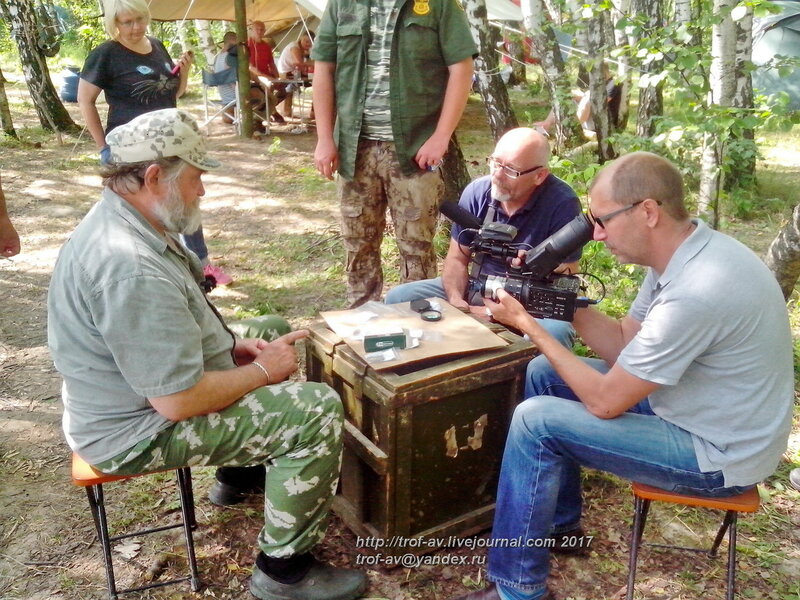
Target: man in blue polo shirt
{"points": [[520, 191]]}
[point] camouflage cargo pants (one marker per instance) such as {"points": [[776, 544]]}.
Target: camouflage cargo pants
{"points": [[413, 202], [293, 428]]}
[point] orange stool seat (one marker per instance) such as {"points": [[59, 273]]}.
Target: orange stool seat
{"points": [[86, 476], [748, 501]]}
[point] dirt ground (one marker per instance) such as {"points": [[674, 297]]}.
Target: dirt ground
{"points": [[48, 548]]}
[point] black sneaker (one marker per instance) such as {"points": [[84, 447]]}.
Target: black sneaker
{"points": [[235, 484], [278, 118], [573, 542], [321, 582]]}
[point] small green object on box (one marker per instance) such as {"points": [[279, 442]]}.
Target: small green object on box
{"points": [[384, 341]]}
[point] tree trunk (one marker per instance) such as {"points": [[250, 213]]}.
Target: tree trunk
{"points": [[243, 72], [515, 48], [21, 17], [682, 12], [499, 112], [623, 66], [783, 254], [651, 95], [544, 48], [207, 45], [723, 85], [598, 90], [5, 111], [454, 171], [742, 161]]}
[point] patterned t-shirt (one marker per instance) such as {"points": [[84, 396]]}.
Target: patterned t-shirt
{"points": [[133, 83], [377, 124]]}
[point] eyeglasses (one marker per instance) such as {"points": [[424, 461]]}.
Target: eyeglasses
{"points": [[509, 172], [601, 221], [127, 23]]}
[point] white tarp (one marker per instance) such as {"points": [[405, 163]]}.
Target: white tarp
{"points": [[271, 11]]}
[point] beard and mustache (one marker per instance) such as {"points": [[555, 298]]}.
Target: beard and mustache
{"points": [[177, 216]]}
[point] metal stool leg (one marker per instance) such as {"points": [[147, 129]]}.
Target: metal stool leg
{"points": [[187, 511], [641, 508], [732, 554], [97, 505]]}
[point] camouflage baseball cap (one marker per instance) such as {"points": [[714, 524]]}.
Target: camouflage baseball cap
{"points": [[160, 134]]}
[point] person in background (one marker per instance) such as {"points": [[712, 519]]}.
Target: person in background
{"points": [[519, 191], [393, 82], [9, 238], [294, 63], [137, 75], [263, 70]]}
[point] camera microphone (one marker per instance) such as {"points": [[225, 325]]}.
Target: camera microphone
{"points": [[459, 216]]}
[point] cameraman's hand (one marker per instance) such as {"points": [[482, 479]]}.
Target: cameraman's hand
{"points": [[480, 312], [508, 310], [280, 357], [518, 260]]}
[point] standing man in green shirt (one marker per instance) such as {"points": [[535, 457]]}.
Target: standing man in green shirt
{"points": [[391, 79]]}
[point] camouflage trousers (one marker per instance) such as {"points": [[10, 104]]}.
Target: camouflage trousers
{"points": [[413, 202], [293, 428]]}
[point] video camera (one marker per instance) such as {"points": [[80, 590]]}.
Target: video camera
{"points": [[544, 294]]}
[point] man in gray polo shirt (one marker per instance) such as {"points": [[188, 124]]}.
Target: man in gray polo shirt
{"points": [[153, 378], [692, 393]]}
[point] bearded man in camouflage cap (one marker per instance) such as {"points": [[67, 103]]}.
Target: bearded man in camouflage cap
{"points": [[154, 379]]}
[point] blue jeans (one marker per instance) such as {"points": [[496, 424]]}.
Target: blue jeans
{"points": [[551, 436], [197, 244], [433, 288]]}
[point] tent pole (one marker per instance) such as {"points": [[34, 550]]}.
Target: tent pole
{"points": [[243, 64]]}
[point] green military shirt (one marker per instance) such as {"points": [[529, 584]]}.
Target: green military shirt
{"points": [[429, 36]]}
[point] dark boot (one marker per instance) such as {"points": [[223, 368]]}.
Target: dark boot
{"points": [[234, 484], [304, 578]]}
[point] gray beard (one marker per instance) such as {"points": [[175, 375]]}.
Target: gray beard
{"points": [[500, 196], [175, 216]]}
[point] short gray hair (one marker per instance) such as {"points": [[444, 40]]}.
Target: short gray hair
{"points": [[128, 178], [112, 8]]}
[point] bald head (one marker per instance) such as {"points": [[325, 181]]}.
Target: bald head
{"points": [[523, 147], [642, 175]]}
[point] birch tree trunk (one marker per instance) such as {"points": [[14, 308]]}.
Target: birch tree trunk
{"points": [[598, 91], [499, 112], [5, 111], [743, 159], [620, 9], [544, 48], [207, 45], [682, 11], [21, 18], [651, 95], [783, 254], [723, 85]]}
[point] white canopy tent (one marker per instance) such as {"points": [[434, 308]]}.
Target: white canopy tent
{"points": [[274, 11]]}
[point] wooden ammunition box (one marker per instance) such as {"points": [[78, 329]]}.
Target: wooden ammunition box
{"points": [[423, 443]]}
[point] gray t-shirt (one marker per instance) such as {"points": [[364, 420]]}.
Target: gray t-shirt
{"points": [[715, 335], [127, 320]]}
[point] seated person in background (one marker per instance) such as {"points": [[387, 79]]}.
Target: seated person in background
{"points": [[227, 59], [263, 70], [582, 100], [692, 392], [222, 62], [520, 191], [294, 63], [155, 380]]}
